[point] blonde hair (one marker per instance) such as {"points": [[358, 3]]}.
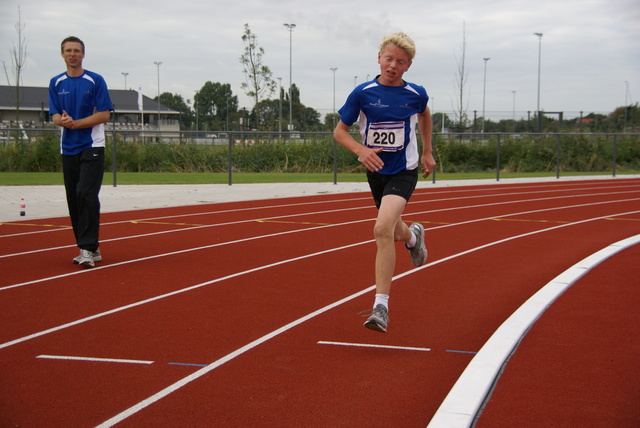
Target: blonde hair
{"points": [[400, 40]]}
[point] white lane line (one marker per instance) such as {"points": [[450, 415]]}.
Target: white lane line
{"points": [[370, 345], [203, 371], [179, 384], [311, 213], [423, 191], [462, 404], [282, 262], [204, 213], [186, 229], [102, 360], [98, 268], [173, 293]]}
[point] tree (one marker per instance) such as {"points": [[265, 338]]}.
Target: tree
{"points": [[309, 118], [266, 115], [259, 84], [330, 120], [626, 118], [441, 122], [295, 100], [214, 103], [461, 80], [18, 60], [177, 103]]}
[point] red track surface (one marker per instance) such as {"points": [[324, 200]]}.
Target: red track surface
{"points": [[242, 314]]}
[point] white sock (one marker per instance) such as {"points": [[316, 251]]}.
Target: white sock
{"points": [[412, 242], [382, 299]]}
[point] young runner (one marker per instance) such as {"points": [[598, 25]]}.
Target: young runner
{"points": [[389, 111]]}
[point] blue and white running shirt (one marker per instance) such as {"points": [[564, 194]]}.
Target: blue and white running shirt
{"points": [[388, 120], [80, 97]]}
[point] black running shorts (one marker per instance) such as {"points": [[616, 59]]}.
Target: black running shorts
{"points": [[401, 184]]}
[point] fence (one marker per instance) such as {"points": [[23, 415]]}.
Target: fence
{"points": [[573, 141], [454, 153]]}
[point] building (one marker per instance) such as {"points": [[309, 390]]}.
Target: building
{"points": [[34, 110]]}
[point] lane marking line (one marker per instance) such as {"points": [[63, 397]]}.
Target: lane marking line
{"points": [[98, 268], [623, 219], [538, 188], [177, 292], [279, 263], [102, 360], [57, 226], [188, 364], [292, 222], [462, 405], [530, 221], [167, 223], [203, 371], [191, 228], [208, 213], [318, 212], [370, 345]]}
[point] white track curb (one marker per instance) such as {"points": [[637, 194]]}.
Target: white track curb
{"points": [[464, 401]]}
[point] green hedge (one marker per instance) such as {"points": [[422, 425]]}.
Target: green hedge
{"points": [[527, 153], [578, 153]]}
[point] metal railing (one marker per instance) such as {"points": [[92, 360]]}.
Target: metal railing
{"points": [[232, 139]]}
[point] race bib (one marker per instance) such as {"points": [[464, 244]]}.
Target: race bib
{"points": [[388, 136]]}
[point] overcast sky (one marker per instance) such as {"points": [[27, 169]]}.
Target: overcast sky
{"points": [[590, 49]]}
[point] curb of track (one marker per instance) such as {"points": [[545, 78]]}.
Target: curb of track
{"points": [[462, 405]]}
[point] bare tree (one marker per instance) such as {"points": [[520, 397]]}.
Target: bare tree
{"points": [[18, 60], [259, 84], [461, 80]]}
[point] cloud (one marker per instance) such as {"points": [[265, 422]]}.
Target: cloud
{"points": [[589, 47]]}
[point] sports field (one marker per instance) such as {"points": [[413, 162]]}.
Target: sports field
{"points": [[245, 313]]}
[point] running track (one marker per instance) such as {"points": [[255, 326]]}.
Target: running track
{"points": [[246, 314]]}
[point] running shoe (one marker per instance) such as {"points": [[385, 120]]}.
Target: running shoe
{"points": [[378, 319], [87, 258], [419, 251]]}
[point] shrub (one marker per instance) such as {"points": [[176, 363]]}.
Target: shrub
{"points": [[315, 154]]}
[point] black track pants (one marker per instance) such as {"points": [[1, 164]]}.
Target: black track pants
{"points": [[82, 181]]}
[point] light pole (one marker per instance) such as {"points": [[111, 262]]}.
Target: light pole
{"points": [[280, 104], [333, 119], [158, 64], [125, 79], [195, 107], [334, 95], [514, 111], [484, 91], [626, 105], [355, 81], [539, 58], [290, 27]]}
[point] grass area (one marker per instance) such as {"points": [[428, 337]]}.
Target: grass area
{"points": [[55, 178]]}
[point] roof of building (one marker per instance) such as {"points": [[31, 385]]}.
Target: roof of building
{"points": [[35, 98]]}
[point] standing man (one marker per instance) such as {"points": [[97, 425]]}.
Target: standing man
{"points": [[79, 103], [389, 111]]}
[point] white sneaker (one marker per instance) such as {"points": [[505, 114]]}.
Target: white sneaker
{"points": [[378, 320], [419, 251], [87, 258]]}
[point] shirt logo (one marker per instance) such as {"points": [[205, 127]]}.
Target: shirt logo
{"points": [[379, 104], [63, 92]]}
